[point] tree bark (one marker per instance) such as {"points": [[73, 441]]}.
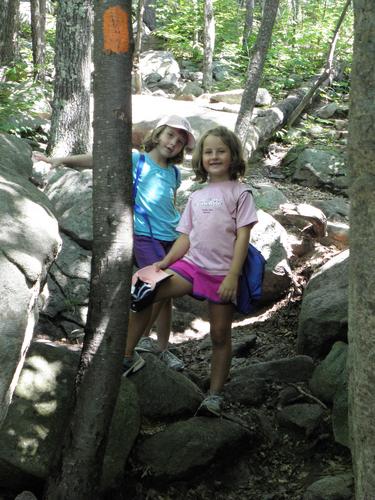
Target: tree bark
{"points": [[77, 475], [255, 69], [209, 44], [137, 49], [362, 251], [248, 26], [70, 123], [9, 10], [38, 29]]}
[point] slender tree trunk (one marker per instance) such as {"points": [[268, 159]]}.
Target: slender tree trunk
{"points": [[149, 17], [9, 10], [362, 251], [38, 31], [209, 44], [248, 26], [137, 49], [255, 69], [70, 124], [196, 23], [77, 476]]}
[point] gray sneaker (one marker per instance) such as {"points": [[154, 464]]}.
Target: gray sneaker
{"points": [[171, 360], [211, 406], [146, 344], [132, 365]]}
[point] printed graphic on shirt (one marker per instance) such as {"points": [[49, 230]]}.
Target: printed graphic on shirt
{"points": [[209, 205]]}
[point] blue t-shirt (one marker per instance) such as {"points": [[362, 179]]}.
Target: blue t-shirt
{"points": [[155, 194]]}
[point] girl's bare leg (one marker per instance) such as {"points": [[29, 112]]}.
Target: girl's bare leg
{"points": [[173, 287], [162, 315], [221, 336], [164, 324]]}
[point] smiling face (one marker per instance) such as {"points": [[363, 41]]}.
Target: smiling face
{"points": [[216, 158], [170, 143]]}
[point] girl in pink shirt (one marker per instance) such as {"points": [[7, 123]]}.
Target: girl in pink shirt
{"points": [[207, 258]]}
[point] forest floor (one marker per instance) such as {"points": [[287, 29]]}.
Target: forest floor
{"points": [[283, 463]]}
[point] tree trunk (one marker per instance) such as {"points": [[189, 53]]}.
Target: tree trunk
{"points": [[9, 10], [38, 29], [362, 251], [209, 44], [255, 69], [248, 26], [137, 49], [70, 123], [77, 476], [149, 17]]}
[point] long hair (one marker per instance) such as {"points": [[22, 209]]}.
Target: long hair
{"points": [[237, 166], [152, 140]]}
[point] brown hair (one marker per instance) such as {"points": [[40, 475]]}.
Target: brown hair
{"points": [[237, 167], [152, 140]]}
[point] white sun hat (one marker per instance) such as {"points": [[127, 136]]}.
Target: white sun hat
{"points": [[180, 123]]}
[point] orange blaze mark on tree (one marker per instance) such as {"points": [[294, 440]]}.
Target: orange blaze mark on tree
{"points": [[115, 30]]}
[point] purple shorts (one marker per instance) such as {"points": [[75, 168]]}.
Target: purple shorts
{"points": [[148, 250], [205, 286]]}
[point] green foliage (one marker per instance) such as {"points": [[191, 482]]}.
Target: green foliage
{"points": [[19, 94], [299, 44]]}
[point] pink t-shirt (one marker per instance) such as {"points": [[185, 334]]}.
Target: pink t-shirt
{"points": [[211, 218]]}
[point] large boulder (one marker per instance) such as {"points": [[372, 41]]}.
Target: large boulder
{"points": [[323, 318], [37, 418], [29, 243]]}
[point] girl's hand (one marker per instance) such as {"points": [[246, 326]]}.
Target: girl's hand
{"points": [[228, 288], [161, 264], [37, 156]]}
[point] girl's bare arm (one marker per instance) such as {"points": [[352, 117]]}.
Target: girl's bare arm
{"points": [[228, 288], [178, 250], [75, 161]]}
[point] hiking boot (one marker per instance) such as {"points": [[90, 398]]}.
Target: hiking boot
{"points": [[146, 344], [211, 406], [171, 360], [132, 365]]}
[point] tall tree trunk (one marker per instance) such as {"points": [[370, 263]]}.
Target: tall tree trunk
{"points": [[248, 26], [137, 49], [209, 44], [149, 17], [255, 69], [70, 123], [9, 10], [196, 23], [362, 251], [77, 476], [38, 32]]}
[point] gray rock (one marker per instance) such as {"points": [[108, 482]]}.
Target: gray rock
{"points": [[267, 197], [330, 373], [340, 409], [29, 242], [296, 369], [164, 393], [189, 446], [306, 417], [327, 111], [340, 487], [246, 391], [38, 415], [317, 168], [323, 318]]}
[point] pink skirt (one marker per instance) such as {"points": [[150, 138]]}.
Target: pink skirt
{"points": [[205, 286]]}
